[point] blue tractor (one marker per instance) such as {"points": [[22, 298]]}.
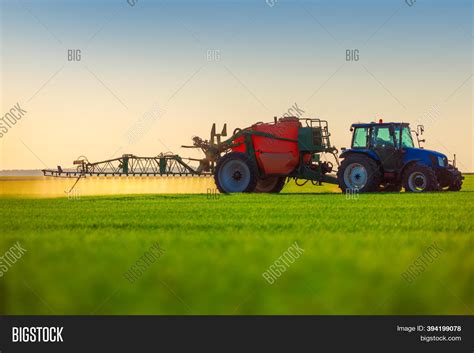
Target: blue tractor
{"points": [[383, 157]]}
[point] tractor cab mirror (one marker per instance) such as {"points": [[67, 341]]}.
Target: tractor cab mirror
{"points": [[420, 129]]}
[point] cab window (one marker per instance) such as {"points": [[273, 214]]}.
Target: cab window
{"points": [[381, 137], [407, 141], [360, 138], [405, 136]]}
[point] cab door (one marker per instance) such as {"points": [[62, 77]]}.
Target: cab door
{"points": [[385, 143]]}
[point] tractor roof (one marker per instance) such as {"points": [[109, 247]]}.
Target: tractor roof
{"points": [[378, 124]]}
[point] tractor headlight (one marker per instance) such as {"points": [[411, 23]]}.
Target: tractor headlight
{"points": [[441, 162]]}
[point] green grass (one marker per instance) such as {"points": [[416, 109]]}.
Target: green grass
{"points": [[216, 251]]}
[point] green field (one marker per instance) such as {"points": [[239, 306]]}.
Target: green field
{"points": [[215, 250]]}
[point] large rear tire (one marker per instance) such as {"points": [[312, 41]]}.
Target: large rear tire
{"points": [[420, 178], [235, 172], [270, 184], [358, 172]]}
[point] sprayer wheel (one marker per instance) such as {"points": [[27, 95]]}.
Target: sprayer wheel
{"points": [[236, 172]]}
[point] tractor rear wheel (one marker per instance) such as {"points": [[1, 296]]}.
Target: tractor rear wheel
{"points": [[358, 172], [235, 172], [270, 184], [419, 178]]}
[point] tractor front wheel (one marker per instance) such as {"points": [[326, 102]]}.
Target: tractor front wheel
{"points": [[456, 183], [235, 172], [419, 178], [270, 184], [358, 172]]}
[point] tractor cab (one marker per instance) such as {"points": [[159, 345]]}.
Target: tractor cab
{"points": [[384, 141], [382, 135], [383, 157]]}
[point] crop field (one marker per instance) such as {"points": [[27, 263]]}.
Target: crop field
{"points": [[361, 254]]}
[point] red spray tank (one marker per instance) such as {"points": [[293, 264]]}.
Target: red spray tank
{"points": [[274, 156]]}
